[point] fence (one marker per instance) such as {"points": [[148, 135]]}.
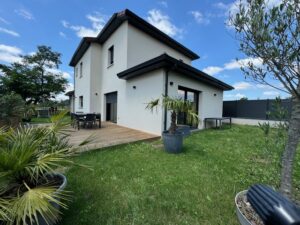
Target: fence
{"points": [[253, 109]]}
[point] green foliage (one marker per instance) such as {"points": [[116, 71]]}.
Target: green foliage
{"points": [[11, 106], [28, 155], [271, 34], [36, 79], [275, 138], [176, 105]]}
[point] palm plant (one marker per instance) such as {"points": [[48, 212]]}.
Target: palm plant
{"points": [[176, 106], [28, 158]]}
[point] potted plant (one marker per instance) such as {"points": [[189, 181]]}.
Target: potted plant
{"points": [[31, 191], [172, 138], [245, 213]]}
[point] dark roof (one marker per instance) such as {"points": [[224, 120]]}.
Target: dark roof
{"points": [[168, 62], [69, 93], [115, 21]]}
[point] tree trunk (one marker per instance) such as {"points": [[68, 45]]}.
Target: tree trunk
{"points": [[173, 126], [289, 153]]}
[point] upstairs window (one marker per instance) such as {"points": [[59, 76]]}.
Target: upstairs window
{"points": [[111, 55], [76, 71], [80, 69], [80, 102]]}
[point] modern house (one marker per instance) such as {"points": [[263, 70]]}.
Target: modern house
{"points": [[131, 63]]}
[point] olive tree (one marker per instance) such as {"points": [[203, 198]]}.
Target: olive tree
{"points": [[271, 34]]}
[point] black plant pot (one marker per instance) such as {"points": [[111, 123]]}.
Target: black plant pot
{"points": [[60, 189], [173, 142], [185, 129]]}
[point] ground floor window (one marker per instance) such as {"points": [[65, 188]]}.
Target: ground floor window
{"points": [[190, 95], [80, 101]]}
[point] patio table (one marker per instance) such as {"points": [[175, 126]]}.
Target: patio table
{"points": [[80, 117], [217, 119]]}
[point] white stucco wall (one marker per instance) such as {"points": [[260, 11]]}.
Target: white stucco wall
{"points": [[96, 75], [82, 84], [149, 86], [209, 105], [143, 47]]}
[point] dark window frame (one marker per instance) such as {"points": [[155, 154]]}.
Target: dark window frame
{"points": [[186, 89], [81, 101], [111, 55], [81, 69]]}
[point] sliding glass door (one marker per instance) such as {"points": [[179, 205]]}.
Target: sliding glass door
{"points": [[190, 95]]}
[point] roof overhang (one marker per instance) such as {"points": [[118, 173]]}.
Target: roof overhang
{"points": [[172, 64], [69, 93], [115, 21]]}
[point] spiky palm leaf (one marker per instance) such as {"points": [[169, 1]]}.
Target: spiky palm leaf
{"points": [[37, 202], [4, 210], [27, 157], [176, 105]]}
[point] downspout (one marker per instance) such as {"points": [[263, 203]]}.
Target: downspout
{"points": [[166, 94], [74, 99]]}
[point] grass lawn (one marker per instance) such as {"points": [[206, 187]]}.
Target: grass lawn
{"points": [[46, 120], [140, 184]]}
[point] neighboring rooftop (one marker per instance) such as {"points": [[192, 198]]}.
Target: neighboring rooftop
{"points": [[166, 61], [115, 21]]}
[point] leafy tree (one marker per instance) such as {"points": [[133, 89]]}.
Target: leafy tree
{"points": [[11, 107], [36, 78], [271, 33]]}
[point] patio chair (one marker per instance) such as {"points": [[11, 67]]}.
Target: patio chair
{"points": [[98, 118], [79, 119], [90, 120]]}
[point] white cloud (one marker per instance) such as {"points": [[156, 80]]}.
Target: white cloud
{"points": [[232, 65], [199, 17], [163, 22], [10, 54], [271, 93], [242, 85], [25, 14], [64, 74], [232, 9], [10, 32], [62, 96], [212, 70], [221, 5], [4, 21], [163, 3], [97, 22], [237, 64], [62, 34], [234, 96]]}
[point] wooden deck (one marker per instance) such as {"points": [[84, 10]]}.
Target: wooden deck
{"points": [[109, 135]]}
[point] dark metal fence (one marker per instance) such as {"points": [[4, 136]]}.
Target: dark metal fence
{"points": [[253, 109]]}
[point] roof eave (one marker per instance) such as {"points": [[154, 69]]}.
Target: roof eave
{"points": [[165, 61]]}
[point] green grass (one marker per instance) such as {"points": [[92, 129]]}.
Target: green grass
{"points": [[141, 184], [46, 120]]}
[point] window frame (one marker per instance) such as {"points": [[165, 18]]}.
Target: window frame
{"points": [[81, 69], [76, 71], [111, 55], [81, 101]]}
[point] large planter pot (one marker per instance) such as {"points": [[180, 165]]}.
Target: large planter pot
{"points": [[185, 129], [60, 189], [173, 142], [242, 219]]}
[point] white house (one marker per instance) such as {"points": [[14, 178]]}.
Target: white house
{"points": [[131, 63]]}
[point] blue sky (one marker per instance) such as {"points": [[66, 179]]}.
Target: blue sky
{"points": [[199, 25]]}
